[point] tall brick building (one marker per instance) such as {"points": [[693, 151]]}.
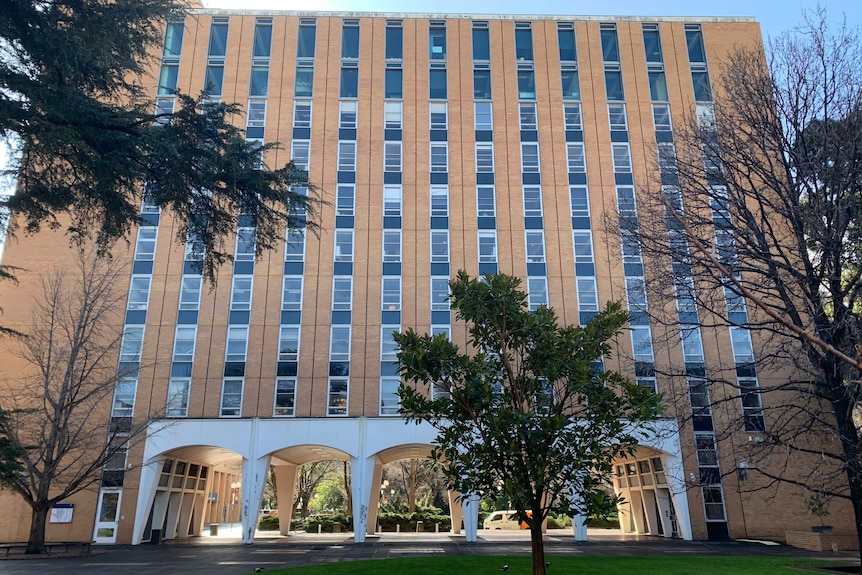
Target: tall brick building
{"points": [[489, 143]]}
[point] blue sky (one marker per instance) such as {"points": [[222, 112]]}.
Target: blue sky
{"points": [[774, 16]]}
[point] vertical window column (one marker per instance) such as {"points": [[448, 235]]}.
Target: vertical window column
{"points": [[169, 71], [483, 122]]}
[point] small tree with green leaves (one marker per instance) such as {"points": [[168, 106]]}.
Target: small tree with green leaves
{"points": [[528, 414]]}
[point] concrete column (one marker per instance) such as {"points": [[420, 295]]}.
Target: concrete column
{"points": [[361, 479], [199, 514], [456, 512], [649, 505], [664, 507], [253, 480], [374, 502], [285, 488], [146, 495], [676, 484], [578, 519], [470, 505], [185, 517], [637, 510], [173, 515]]}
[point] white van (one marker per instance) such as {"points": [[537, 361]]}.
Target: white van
{"points": [[504, 520]]}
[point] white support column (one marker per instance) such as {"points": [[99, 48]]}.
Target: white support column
{"points": [[578, 519], [199, 514], [185, 518], [470, 505], [456, 512], [649, 503], [374, 502], [361, 482], [637, 509], [146, 495], [285, 485], [676, 483], [253, 480], [174, 502]]}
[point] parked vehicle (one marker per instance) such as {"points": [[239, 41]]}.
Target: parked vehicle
{"points": [[504, 520]]}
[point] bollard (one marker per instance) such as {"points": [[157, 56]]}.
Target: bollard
{"points": [[319, 528], [418, 523], [436, 528], [398, 528]]}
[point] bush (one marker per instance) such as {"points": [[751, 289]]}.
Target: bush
{"points": [[327, 523], [604, 522], [389, 521], [268, 523]]}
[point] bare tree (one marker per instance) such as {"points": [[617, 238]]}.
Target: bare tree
{"points": [[758, 213], [57, 404], [308, 478]]}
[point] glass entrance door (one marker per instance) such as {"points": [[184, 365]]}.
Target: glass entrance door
{"points": [[108, 516]]}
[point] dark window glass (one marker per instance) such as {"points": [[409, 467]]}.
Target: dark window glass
{"points": [[305, 45], [526, 85], [304, 82], [652, 46], [567, 45], [657, 87], [349, 82], [350, 42], [174, 39], [392, 81], [437, 85], [614, 86], [262, 40], [218, 40], [610, 46], [481, 84], [213, 81], [481, 44], [702, 91], [524, 44], [259, 80], [696, 52], [394, 43], [437, 43], [571, 85]]}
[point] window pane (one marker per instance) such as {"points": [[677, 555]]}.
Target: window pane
{"points": [[184, 343], [305, 43], [535, 247], [241, 293], [440, 246], [178, 397], [145, 247], [439, 157], [339, 343], [347, 156], [190, 292], [344, 245], [488, 247], [345, 198], [484, 157], [394, 41], [440, 201], [614, 86], [392, 245], [231, 398], [285, 396], [342, 293], [485, 202], [657, 87], [139, 292], [437, 84], [571, 85], [174, 39], [262, 40], [294, 246], [389, 402], [532, 201], [213, 80], [288, 344], [350, 42], [526, 85], [439, 115], [652, 46], [337, 404], [392, 200], [566, 39], [527, 115], [291, 299], [439, 294], [302, 114], [437, 43], [347, 114], [483, 116], [481, 84], [391, 293], [524, 44], [572, 116], [530, 157], [237, 340], [481, 44], [579, 201], [696, 51], [349, 82], [304, 87], [610, 46]]}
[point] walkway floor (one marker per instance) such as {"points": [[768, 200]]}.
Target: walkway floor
{"points": [[226, 555]]}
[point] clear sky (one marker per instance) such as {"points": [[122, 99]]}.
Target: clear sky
{"points": [[774, 16]]}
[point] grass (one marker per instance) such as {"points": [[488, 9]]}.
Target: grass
{"points": [[599, 565]]}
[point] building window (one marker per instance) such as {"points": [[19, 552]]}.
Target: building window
{"points": [[190, 292], [285, 397], [392, 201], [698, 393], [526, 85], [347, 114], [259, 83], [626, 201], [184, 342], [302, 114], [350, 40], [636, 294], [622, 158], [572, 116], [440, 246], [537, 295], [291, 295], [145, 246], [650, 384], [231, 397], [174, 39], [700, 82], [388, 347], [133, 342], [652, 43], [213, 79], [337, 402], [579, 201], [344, 245], [306, 39], [437, 41], [614, 85], [288, 343], [245, 245], [571, 83], [527, 116], [694, 42], [482, 84], [535, 246], [610, 45], [481, 42], [692, 345], [566, 40], [484, 157], [345, 198], [752, 408], [178, 397], [237, 342], [392, 115], [617, 116], [304, 84], [437, 85], [657, 86], [393, 83], [299, 153], [487, 246], [483, 116], [439, 157], [347, 156], [485, 201], [439, 293], [713, 503], [394, 40], [168, 78], [529, 157], [575, 158], [707, 455], [588, 297], [339, 343], [641, 343], [342, 293], [392, 246], [391, 156], [391, 293], [240, 298], [349, 82], [389, 401], [439, 201], [532, 201], [583, 242], [139, 292], [124, 397], [740, 339], [294, 246], [523, 41], [438, 115]]}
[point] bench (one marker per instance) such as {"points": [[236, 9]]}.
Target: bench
{"points": [[65, 547]]}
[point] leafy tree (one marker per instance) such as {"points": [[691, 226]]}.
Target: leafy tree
{"points": [[54, 436], [308, 478], [528, 414], [767, 214], [72, 94]]}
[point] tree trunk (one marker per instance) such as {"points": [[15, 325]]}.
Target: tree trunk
{"points": [[411, 493], [347, 492], [36, 542], [850, 443], [538, 547]]}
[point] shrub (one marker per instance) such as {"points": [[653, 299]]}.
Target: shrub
{"points": [[268, 523], [327, 523]]}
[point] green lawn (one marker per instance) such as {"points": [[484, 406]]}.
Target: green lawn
{"points": [[603, 565]]}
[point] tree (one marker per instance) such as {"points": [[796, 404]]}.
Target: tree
{"points": [[55, 431], [529, 414], [308, 478], [92, 146], [766, 212]]}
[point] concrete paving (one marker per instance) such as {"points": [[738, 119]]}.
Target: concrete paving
{"points": [[226, 555]]}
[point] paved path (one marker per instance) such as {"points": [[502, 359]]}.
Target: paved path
{"points": [[226, 555]]}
